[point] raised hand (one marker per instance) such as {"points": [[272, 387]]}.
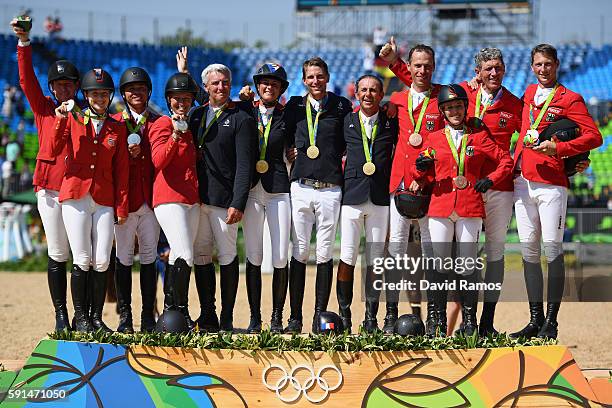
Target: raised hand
{"points": [[246, 94], [388, 52], [19, 32], [181, 60]]}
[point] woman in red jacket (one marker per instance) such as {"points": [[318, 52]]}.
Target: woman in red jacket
{"points": [[94, 190], [175, 188], [540, 188], [457, 209]]}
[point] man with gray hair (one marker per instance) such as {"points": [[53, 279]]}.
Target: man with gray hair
{"points": [[226, 143]]}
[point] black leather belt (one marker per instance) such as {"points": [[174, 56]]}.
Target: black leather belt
{"points": [[316, 184]]}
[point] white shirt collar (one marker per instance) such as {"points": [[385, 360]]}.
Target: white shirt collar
{"points": [[265, 110], [368, 119], [456, 135], [541, 94], [316, 104]]}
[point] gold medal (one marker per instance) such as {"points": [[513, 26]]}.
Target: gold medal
{"points": [[461, 182], [312, 152], [415, 139], [369, 168], [261, 166]]}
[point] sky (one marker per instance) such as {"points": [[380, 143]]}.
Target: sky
{"points": [[561, 21]]}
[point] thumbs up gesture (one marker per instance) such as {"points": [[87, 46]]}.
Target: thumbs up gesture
{"points": [[388, 52]]}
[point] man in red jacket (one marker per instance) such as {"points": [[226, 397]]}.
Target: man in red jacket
{"points": [[495, 107], [540, 188], [135, 87], [418, 116], [63, 82]]}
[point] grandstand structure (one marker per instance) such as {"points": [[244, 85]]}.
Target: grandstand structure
{"points": [[441, 22]]}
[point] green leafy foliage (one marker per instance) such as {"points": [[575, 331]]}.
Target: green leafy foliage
{"points": [[267, 341]]}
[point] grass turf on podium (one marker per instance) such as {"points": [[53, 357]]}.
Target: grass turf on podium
{"points": [[367, 370]]}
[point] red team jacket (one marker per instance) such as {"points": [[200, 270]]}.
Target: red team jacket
{"points": [[141, 167], [98, 165], [50, 168], [539, 167], [502, 119], [405, 154], [175, 165], [446, 198]]}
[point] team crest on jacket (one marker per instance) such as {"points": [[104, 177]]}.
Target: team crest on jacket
{"points": [[469, 151], [226, 123], [550, 117], [111, 141], [502, 123], [429, 125]]}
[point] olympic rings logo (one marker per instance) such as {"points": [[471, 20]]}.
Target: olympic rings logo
{"points": [[289, 380]]}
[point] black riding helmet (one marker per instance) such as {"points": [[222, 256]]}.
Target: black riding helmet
{"points": [[132, 75], [97, 79], [62, 69], [180, 82], [452, 92], [274, 71]]}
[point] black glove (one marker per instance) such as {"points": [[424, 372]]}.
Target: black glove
{"points": [[483, 185], [423, 163]]}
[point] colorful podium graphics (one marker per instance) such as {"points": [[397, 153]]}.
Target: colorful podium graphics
{"points": [[105, 375]]}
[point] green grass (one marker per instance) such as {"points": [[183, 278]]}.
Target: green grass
{"points": [[267, 341]]}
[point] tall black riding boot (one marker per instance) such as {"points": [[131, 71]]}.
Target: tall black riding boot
{"points": [[170, 299], [229, 289], [536, 320], [78, 289], [56, 278], [439, 297], [556, 285], [325, 273], [297, 283], [123, 285], [280, 279], [253, 285], [469, 304], [182, 273], [344, 292], [148, 289], [549, 328], [370, 323], [392, 276], [206, 284], [431, 321], [97, 301], [494, 275], [534, 281]]}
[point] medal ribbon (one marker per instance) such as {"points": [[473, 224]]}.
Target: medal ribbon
{"points": [[367, 150], [477, 112], [139, 124], [312, 130], [263, 135], [459, 157], [534, 124], [87, 114], [202, 133], [417, 126]]}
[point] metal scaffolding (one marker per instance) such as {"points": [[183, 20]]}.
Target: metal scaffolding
{"points": [[468, 24]]}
